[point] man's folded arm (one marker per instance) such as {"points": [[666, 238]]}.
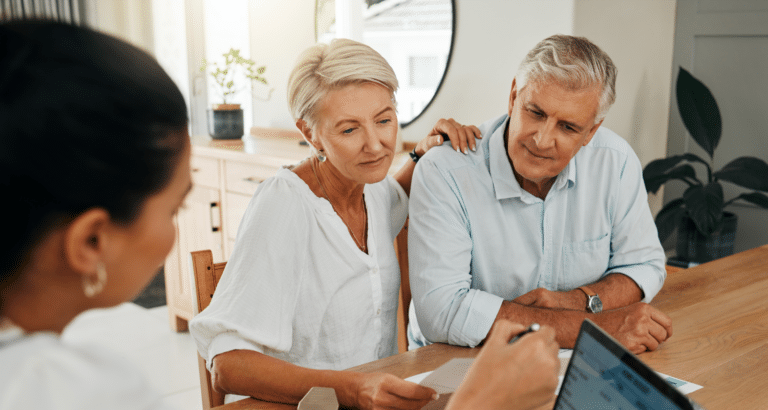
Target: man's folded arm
{"points": [[440, 254]]}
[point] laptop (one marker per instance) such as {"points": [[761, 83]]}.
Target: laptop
{"points": [[602, 374]]}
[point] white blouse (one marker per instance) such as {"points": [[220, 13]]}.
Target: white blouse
{"points": [[298, 288], [40, 371]]}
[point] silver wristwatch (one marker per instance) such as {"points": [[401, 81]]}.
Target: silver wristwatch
{"points": [[594, 304]]}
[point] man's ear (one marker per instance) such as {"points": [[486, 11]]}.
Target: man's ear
{"points": [[306, 131], [512, 96], [592, 132], [85, 240]]}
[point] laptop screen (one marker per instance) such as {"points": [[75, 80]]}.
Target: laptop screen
{"points": [[602, 374]]}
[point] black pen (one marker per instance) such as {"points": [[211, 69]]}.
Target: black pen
{"points": [[532, 328]]}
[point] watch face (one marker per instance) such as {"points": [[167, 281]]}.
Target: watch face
{"points": [[595, 304]]}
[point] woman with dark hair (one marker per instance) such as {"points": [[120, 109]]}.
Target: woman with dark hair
{"points": [[94, 163]]}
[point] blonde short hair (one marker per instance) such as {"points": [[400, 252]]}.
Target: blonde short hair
{"points": [[326, 67], [575, 63]]}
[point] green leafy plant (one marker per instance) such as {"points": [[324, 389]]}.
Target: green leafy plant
{"points": [[703, 200], [224, 74]]}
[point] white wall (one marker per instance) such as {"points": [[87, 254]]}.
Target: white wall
{"points": [[639, 37], [280, 31]]}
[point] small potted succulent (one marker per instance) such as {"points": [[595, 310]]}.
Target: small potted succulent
{"points": [[225, 120], [705, 231]]}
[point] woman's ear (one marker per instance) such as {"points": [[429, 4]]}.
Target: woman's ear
{"points": [[306, 131], [85, 240]]}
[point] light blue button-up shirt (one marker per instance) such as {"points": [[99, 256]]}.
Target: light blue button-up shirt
{"points": [[477, 238]]}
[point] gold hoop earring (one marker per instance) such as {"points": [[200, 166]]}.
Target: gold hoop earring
{"points": [[321, 156], [92, 286]]}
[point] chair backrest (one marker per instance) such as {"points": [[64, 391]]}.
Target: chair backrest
{"points": [[207, 275], [401, 249]]}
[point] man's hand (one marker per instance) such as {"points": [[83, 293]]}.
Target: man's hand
{"points": [[543, 298], [639, 327], [522, 375], [385, 391]]}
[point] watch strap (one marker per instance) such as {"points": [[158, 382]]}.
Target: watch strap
{"points": [[592, 297], [588, 292], [414, 156]]}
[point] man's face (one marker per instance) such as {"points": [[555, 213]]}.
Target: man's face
{"points": [[548, 125]]}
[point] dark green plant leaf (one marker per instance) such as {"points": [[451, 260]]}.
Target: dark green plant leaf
{"points": [[749, 172], [705, 206], [699, 111], [660, 166], [680, 172], [669, 217], [756, 198]]}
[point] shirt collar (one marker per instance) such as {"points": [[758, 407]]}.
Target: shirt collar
{"points": [[504, 182]]}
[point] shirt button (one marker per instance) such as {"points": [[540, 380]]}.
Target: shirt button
{"points": [[378, 312], [375, 270]]}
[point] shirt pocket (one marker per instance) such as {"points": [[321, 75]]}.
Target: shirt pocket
{"points": [[584, 262]]}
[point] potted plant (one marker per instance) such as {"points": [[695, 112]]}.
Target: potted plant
{"points": [[225, 120], [705, 231]]}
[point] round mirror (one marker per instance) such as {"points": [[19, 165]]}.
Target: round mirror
{"points": [[415, 36]]}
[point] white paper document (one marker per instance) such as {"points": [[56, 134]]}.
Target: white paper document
{"points": [[446, 378]]}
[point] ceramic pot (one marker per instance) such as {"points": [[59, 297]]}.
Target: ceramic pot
{"points": [[225, 121], [692, 246]]}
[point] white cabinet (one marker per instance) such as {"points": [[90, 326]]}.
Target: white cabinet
{"points": [[198, 226]]}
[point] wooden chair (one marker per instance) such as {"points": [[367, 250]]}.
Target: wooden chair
{"points": [[207, 275], [401, 250]]}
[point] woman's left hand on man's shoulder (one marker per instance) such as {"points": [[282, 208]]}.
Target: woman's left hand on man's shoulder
{"points": [[462, 137]]}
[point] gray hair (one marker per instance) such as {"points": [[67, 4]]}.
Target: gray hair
{"points": [[326, 67], [573, 62]]}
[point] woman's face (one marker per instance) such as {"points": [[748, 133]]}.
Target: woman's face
{"points": [[135, 252], [357, 129]]}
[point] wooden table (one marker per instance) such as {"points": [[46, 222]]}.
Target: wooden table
{"points": [[720, 341]]}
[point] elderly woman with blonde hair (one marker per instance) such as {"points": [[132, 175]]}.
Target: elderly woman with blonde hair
{"points": [[311, 286]]}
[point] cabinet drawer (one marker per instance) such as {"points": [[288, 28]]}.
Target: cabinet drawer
{"points": [[205, 171], [244, 178], [236, 206]]}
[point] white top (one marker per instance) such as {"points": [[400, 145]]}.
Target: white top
{"points": [[297, 287], [40, 371]]}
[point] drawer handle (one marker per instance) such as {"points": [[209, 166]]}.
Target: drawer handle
{"points": [[253, 180], [195, 169], [215, 217]]}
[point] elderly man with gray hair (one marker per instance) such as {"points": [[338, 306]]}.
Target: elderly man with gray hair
{"points": [[546, 221]]}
